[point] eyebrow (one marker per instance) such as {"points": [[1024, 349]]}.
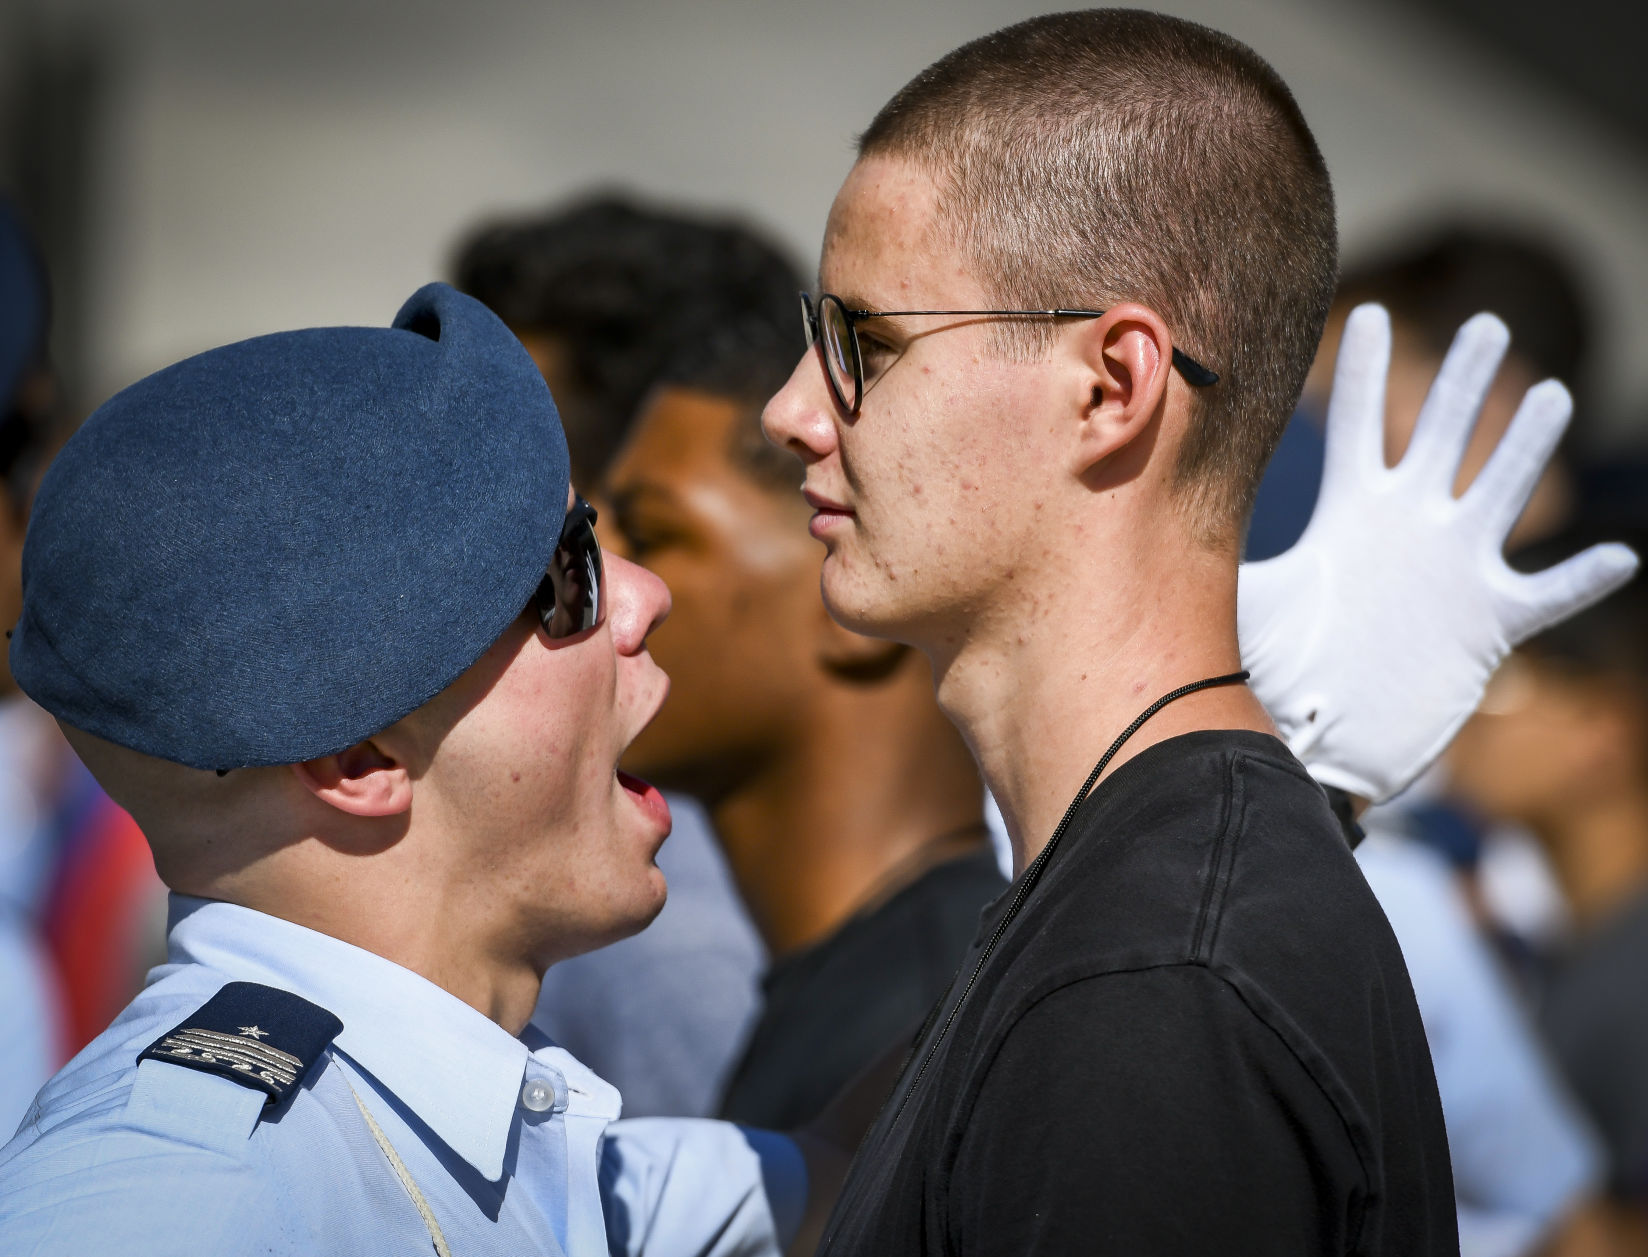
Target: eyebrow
{"points": [[852, 300], [885, 323], [855, 302], [625, 496]]}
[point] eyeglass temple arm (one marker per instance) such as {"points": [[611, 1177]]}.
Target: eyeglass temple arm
{"points": [[1194, 373]]}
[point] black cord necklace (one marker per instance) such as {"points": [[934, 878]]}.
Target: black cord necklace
{"points": [[1032, 875]]}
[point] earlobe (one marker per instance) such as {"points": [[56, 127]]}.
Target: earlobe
{"points": [[361, 781]]}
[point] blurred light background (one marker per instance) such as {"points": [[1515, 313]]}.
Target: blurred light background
{"points": [[203, 170]]}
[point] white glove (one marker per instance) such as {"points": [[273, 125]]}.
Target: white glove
{"points": [[1371, 640]]}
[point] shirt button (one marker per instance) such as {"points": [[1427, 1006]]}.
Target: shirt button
{"points": [[537, 1095]]}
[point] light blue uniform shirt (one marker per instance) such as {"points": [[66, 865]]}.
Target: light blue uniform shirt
{"points": [[509, 1141], [1522, 1153]]}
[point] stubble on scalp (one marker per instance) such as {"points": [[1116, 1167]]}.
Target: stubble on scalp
{"points": [[1085, 159]]}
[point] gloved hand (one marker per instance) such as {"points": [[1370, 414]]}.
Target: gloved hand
{"points": [[1371, 640]]}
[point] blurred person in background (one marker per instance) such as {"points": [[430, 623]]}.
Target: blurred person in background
{"points": [[81, 910], [1560, 747], [604, 292], [847, 803], [1431, 284], [1525, 1161]]}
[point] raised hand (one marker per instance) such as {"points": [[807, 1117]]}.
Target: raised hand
{"points": [[1371, 640]]}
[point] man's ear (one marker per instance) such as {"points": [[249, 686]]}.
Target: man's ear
{"points": [[1126, 358], [852, 657], [361, 781]]}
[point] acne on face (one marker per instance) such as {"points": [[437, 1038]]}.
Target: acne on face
{"points": [[949, 435]]}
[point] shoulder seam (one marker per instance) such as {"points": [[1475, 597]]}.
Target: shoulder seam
{"points": [[1206, 931]]}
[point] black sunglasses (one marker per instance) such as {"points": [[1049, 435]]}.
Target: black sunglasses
{"points": [[834, 325], [572, 598]]}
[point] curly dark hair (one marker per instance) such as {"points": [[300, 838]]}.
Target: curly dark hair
{"points": [[636, 296], [1433, 281]]}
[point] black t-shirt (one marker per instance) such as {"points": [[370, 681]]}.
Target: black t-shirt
{"points": [[838, 1007], [1197, 1037]]}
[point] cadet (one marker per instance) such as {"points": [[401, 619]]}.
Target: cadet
{"points": [[321, 610]]}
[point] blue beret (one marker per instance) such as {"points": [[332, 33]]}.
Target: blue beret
{"points": [[24, 303], [270, 551]]}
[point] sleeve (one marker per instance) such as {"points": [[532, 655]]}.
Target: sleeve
{"points": [[1147, 1112], [684, 1187]]}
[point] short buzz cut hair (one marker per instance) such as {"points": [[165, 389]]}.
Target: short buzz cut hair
{"points": [[1085, 159]]}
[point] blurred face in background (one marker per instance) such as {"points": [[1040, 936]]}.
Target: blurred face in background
{"points": [[741, 645], [1549, 740]]}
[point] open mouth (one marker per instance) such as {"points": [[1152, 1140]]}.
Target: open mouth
{"points": [[647, 797]]}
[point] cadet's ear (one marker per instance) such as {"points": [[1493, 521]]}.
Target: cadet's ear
{"points": [[1125, 359], [361, 781], [851, 656]]}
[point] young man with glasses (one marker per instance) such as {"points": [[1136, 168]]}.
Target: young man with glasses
{"points": [[321, 610], [1072, 287]]}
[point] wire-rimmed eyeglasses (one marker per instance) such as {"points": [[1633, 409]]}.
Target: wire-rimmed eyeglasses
{"points": [[834, 324]]}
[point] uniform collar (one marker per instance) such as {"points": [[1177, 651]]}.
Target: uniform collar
{"points": [[457, 1070]]}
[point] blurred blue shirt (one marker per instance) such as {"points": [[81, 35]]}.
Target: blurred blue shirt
{"points": [[116, 1156], [1522, 1152]]}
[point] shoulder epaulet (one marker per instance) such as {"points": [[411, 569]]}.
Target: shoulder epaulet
{"points": [[258, 1036]]}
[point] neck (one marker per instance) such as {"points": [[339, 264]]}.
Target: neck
{"points": [[1599, 850], [430, 926], [442, 947], [1040, 699], [879, 789]]}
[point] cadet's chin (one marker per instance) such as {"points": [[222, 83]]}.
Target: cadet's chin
{"points": [[649, 899], [647, 908], [647, 913]]}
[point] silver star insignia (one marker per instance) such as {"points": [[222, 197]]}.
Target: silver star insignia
{"points": [[252, 1032]]}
